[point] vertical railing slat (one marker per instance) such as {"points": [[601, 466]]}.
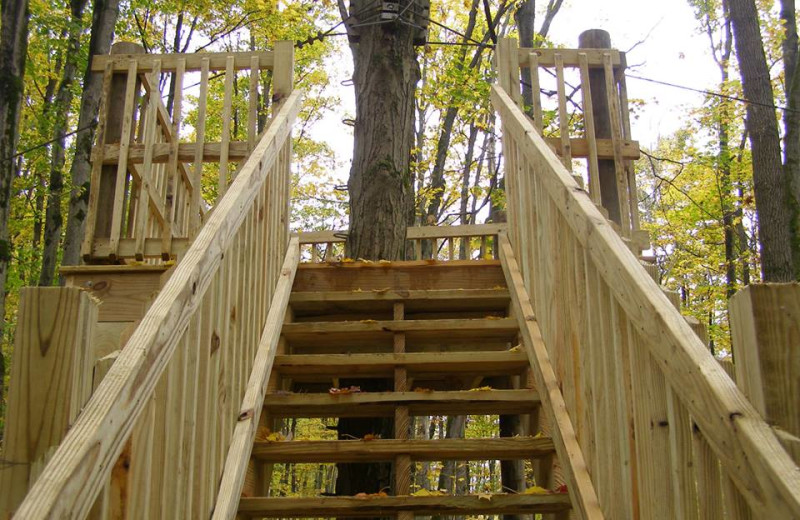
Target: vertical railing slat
{"points": [[227, 107], [588, 118], [563, 118]]}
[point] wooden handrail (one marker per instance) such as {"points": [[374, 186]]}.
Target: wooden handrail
{"points": [[640, 322], [80, 467]]}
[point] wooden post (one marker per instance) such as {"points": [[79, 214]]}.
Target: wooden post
{"points": [[765, 331], [282, 74], [599, 39], [51, 380], [113, 134]]}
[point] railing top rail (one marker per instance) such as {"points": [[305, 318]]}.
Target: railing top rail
{"points": [[569, 57], [193, 61], [744, 443], [412, 233], [71, 480]]}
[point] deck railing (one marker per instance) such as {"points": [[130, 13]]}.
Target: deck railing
{"points": [[663, 430], [148, 196], [153, 439]]}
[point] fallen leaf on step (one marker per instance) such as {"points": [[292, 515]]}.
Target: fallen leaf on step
{"points": [[275, 437], [485, 496], [262, 433], [364, 261], [539, 435], [562, 489], [423, 390], [385, 289], [493, 317], [370, 495], [427, 493], [368, 321], [498, 288], [515, 349], [536, 490], [481, 389], [344, 391], [347, 260], [384, 262], [371, 437]]}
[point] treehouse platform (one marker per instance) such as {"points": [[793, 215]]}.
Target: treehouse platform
{"points": [[155, 384]]}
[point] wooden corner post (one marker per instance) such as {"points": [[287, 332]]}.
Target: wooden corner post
{"points": [[282, 74], [603, 128], [51, 380], [765, 330]]}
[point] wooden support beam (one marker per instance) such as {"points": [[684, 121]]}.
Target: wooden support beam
{"points": [[383, 506], [186, 152], [382, 404], [547, 57], [51, 380], [580, 148], [506, 448]]}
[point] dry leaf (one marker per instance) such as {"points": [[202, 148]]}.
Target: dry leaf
{"points": [[275, 437], [369, 321], [347, 260], [562, 489], [370, 495], [364, 261], [384, 262], [539, 435], [371, 437], [426, 493], [493, 317], [481, 389], [515, 349], [498, 288], [485, 496], [536, 490], [262, 433], [423, 390], [344, 391]]}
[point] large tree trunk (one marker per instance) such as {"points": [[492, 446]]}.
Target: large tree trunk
{"points": [[385, 78], [103, 21], [13, 46], [770, 185], [53, 218]]}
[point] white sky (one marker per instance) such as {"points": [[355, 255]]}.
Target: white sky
{"points": [[671, 50]]}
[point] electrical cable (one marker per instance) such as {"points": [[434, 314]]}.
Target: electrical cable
{"points": [[51, 141]]}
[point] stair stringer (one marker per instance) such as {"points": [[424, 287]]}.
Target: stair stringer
{"points": [[584, 498]]}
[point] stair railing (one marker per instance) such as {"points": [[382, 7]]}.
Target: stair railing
{"points": [[663, 430], [150, 191], [152, 440]]}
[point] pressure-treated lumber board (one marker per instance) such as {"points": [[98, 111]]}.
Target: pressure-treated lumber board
{"points": [[416, 330], [244, 433], [746, 446], [506, 448], [424, 274], [579, 482], [417, 363], [81, 465], [127, 248], [125, 292], [382, 404], [169, 62], [186, 152], [579, 148], [546, 57], [383, 506], [313, 302], [412, 233], [51, 379]]}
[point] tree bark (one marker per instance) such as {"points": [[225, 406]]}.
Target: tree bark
{"points": [[385, 78], [770, 184], [525, 16], [63, 101], [791, 124], [104, 19], [13, 46]]}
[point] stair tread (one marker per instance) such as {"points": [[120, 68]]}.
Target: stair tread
{"points": [[421, 505], [383, 364], [382, 404], [309, 303], [505, 448]]}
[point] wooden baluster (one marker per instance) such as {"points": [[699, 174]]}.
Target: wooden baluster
{"points": [[533, 64], [588, 118], [173, 177], [227, 106], [626, 134], [146, 175], [252, 113], [200, 135], [131, 89], [622, 180], [563, 118]]}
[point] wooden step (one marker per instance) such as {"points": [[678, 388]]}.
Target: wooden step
{"points": [[416, 301], [326, 366], [382, 506], [380, 333], [425, 274], [382, 404], [506, 448]]}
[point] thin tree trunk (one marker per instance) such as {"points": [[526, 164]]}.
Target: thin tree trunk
{"points": [[63, 101], [104, 18], [791, 123], [770, 185], [13, 46], [525, 16]]}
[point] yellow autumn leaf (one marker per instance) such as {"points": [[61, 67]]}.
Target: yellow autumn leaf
{"points": [[485, 496], [426, 493], [275, 437], [539, 435], [481, 389], [515, 349], [347, 260], [384, 262], [536, 490]]}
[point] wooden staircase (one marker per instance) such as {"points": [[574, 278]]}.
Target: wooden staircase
{"points": [[438, 334]]}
